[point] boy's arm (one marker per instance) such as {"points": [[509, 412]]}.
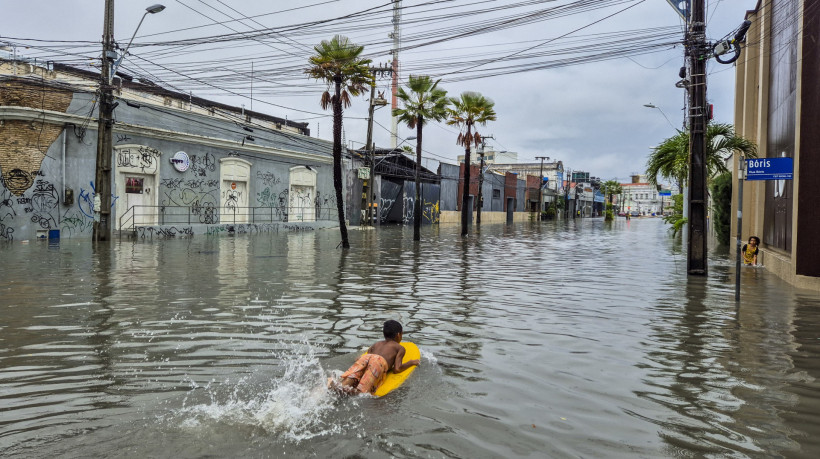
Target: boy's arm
{"points": [[398, 367]]}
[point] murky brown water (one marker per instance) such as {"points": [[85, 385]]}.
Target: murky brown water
{"points": [[574, 339]]}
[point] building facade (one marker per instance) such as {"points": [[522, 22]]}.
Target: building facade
{"points": [[180, 165], [777, 104]]}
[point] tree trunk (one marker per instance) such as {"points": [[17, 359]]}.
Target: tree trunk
{"points": [[417, 205], [466, 213], [337, 160]]}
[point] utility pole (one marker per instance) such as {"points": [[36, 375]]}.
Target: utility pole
{"points": [[481, 179], [541, 183], [371, 151], [102, 177], [480, 184], [396, 36], [567, 174], [697, 51]]}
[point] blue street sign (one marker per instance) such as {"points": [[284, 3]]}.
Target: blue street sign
{"points": [[665, 193], [682, 7], [770, 169]]}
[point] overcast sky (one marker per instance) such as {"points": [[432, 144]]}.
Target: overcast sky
{"points": [[590, 116]]}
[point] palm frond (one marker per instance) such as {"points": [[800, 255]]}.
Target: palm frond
{"points": [[325, 100]]}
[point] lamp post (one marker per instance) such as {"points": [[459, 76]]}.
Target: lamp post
{"points": [[153, 9], [651, 105], [102, 176]]}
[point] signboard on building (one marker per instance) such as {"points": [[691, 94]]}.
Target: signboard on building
{"points": [[180, 161], [770, 169]]}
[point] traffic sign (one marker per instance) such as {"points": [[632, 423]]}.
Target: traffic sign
{"points": [[665, 193], [770, 169]]}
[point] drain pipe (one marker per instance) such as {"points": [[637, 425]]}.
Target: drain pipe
{"points": [[65, 142]]}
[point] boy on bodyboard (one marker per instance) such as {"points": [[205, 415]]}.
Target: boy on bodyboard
{"points": [[369, 371]]}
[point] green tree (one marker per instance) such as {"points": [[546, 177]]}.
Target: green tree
{"points": [[670, 159], [337, 62], [676, 218], [423, 101], [721, 188], [469, 109], [611, 188]]}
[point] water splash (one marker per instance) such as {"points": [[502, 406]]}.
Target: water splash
{"points": [[428, 358], [295, 405]]}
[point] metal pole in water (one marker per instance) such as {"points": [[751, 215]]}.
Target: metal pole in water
{"points": [[740, 170]]}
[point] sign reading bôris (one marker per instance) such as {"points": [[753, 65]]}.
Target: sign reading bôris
{"points": [[770, 169]]}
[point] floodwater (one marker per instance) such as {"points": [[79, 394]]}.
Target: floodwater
{"points": [[559, 339]]}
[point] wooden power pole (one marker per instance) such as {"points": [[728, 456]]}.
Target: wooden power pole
{"points": [[102, 177], [697, 52]]}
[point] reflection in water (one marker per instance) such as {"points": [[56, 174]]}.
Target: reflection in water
{"points": [[578, 338]]}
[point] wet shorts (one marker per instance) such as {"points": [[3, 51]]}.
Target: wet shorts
{"points": [[370, 370]]}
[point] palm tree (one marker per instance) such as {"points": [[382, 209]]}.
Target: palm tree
{"points": [[337, 62], [424, 101], [469, 109], [611, 187], [670, 159]]}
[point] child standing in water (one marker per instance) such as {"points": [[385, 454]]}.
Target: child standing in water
{"points": [[750, 251], [369, 371]]}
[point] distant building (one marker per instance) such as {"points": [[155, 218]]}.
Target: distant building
{"points": [[643, 198], [491, 157]]}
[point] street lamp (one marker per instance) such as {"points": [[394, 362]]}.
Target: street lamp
{"points": [[153, 9], [651, 105]]}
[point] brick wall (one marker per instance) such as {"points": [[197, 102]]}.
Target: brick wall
{"points": [[23, 144]]}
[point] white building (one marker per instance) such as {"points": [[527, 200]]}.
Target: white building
{"points": [[491, 157], [643, 198]]}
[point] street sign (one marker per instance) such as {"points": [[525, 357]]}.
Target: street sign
{"points": [[770, 169], [364, 173], [665, 193]]}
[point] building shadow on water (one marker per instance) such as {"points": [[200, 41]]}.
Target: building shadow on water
{"points": [[733, 378]]}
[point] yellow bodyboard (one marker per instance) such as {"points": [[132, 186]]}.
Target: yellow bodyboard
{"points": [[394, 380]]}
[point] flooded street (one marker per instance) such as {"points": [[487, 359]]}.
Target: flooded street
{"points": [[560, 339]]}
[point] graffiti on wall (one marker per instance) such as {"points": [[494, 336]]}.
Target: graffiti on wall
{"points": [[325, 204], [86, 200], [43, 205], [146, 159], [75, 224], [149, 232], [242, 228], [6, 204], [231, 198], [268, 178], [202, 164], [431, 212], [199, 194], [278, 203]]}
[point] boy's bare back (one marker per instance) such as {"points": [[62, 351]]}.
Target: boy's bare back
{"points": [[392, 352]]}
